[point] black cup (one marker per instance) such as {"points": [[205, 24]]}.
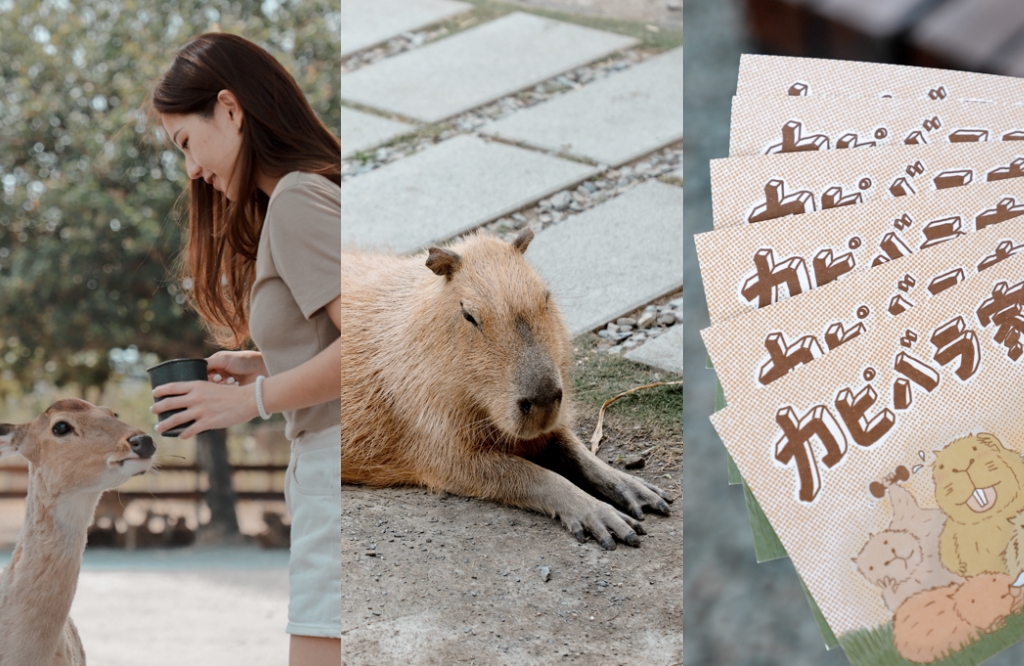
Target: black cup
{"points": [[177, 370]]}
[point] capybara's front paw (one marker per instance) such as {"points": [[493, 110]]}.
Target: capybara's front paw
{"points": [[634, 494], [602, 521]]}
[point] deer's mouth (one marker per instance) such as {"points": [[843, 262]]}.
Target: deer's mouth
{"points": [[146, 464]]}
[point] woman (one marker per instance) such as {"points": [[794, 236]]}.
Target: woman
{"points": [[263, 257]]}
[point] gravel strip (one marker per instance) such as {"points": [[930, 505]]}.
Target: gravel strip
{"points": [[606, 185], [646, 323], [406, 41], [470, 121]]}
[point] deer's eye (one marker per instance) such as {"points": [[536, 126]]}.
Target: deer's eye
{"points": [[61, 428], [468, 317]]}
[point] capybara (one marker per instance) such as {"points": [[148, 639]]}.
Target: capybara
{"points": [[979, 484], [454, 376], [933, 623], [904, 559]]}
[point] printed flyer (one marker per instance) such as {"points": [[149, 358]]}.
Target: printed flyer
{"points": [[929, 567]]}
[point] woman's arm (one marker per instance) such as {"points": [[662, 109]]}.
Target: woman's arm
{"points": [[214, 406]]}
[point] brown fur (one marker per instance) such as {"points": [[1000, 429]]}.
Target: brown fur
{"points": [[974, 542], [455, 377], [67, 475], [933, 623]]}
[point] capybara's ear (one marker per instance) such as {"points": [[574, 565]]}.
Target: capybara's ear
{"points": [[522, 241], [7, 445], [991, 441], [443, 262]]}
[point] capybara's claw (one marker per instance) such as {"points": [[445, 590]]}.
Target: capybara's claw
{"points": [[665, 495], [605, 523], [634, 495]]}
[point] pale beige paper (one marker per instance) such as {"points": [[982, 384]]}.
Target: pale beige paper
{"points": [[749, 190], [821, 537], [771, 76], [727, 256], [812, 324], [765, 126]]}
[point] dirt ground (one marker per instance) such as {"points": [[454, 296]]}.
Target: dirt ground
{"points": [[439, 580]]}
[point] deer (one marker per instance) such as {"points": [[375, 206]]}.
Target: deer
{"points": [[75, 452]]}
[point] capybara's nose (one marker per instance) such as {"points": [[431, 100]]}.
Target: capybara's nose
{"points": [[142, 445], [544, 398]]}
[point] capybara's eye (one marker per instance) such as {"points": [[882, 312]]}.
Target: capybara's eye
{"points": [[61, 428], [468, 317]]}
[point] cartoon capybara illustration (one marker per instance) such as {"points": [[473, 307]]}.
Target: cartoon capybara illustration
{"points": [[978, 487], [933, 623], [904, 558], [454, 376], [1014, 554]]}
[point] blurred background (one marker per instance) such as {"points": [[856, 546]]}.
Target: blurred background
{"points": [[738, 611], [90, 228]]}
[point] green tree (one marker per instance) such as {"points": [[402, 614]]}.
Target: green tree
{"points": [[89, 229]]}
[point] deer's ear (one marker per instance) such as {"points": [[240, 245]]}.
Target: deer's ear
{"points": [[7, 445]]}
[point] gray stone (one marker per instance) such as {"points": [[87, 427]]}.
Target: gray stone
{"points": [[646, 320], [560, 201], [477, 66], [627, 322], [447, 189], [614, 258], [366, 23], [616, 120], [363, 131], [664, 352]]}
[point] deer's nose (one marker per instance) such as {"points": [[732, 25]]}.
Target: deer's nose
{"points": [[142, 445]]}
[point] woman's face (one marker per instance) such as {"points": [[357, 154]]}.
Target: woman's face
{"points": [[210, 145]]}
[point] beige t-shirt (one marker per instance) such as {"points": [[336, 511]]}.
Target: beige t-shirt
{"points": [[298, 272]]}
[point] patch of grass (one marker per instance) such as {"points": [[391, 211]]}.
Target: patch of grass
{"points": [[649, 420], [874, 647]]}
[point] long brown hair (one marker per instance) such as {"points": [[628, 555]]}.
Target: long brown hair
{"points": [[280, 133]]}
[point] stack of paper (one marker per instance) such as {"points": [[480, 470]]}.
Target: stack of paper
{"points": [[865, 287]]}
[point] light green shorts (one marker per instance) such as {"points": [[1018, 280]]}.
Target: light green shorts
{"points": [[312, 490]]}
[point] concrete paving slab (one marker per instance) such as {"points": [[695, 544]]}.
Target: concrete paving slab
{"points": [[362, 131], [365, 23], [613, 258], [664, 352], [446, 190], [477, 66], [613, 121]]}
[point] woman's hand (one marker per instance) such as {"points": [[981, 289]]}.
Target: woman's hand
{"points": [[210, 405], [235, 367]]}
